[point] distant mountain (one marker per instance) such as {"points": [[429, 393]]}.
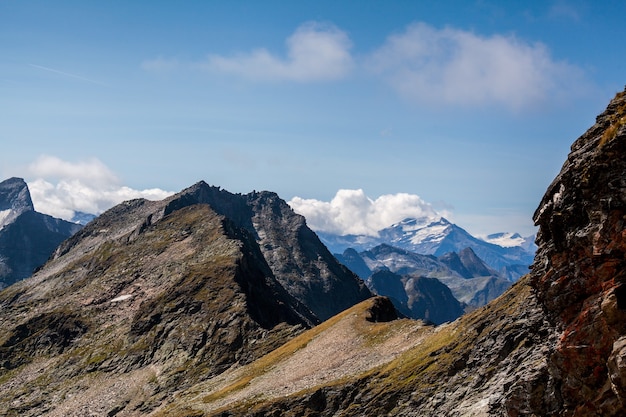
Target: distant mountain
{"points": [[417, 297], [82, 218], [470, 280], [27, 238], [435, 236], [467, 264]]}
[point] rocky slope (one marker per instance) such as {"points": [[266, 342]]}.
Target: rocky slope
{"points": [[153, 297], [27, 238]]}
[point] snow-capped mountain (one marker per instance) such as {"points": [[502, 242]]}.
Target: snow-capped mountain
{"points": [[437, 236]]}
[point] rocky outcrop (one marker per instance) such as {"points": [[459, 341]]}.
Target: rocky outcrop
{"points": [[27, 238], [580, 268]]}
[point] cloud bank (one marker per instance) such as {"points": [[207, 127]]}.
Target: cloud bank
{"points": [[453, 66], [353, 212], [315, 52], [423, 63], [61, 188]]}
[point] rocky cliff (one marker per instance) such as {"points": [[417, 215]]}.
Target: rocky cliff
{"points": [[580, 269]]}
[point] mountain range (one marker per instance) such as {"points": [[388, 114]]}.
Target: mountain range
{"points": [[471, 282], [210, 303], [437, 236]]}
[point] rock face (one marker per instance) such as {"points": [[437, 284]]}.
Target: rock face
{"points": [[580, 269], [27, 238]]}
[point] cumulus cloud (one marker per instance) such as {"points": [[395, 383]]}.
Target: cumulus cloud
{"points": [[61, 188], [453, 66], [315, 52], [353, 212]]}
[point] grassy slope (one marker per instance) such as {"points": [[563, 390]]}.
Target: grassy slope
{"points": [[382, 368]]}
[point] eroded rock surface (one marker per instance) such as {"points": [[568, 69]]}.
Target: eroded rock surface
{"points": [[580, 268]]}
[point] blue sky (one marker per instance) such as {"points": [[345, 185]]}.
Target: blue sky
{"points": [[470, 105]]}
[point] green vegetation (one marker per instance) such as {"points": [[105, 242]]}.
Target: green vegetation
{"points": [[617, 120]]}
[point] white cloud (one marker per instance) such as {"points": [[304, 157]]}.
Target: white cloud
{"points": [[60, 188], [315, 52], [453, 66], [352, 212]]}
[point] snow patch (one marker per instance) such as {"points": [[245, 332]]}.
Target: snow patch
{"points": [[506, 240], [121, 298], [430, 234], [4, 214]]}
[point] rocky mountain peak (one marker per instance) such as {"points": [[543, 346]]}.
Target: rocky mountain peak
{"points": [[474, 264], [14, 195], [580, 268], [14, 200]]}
